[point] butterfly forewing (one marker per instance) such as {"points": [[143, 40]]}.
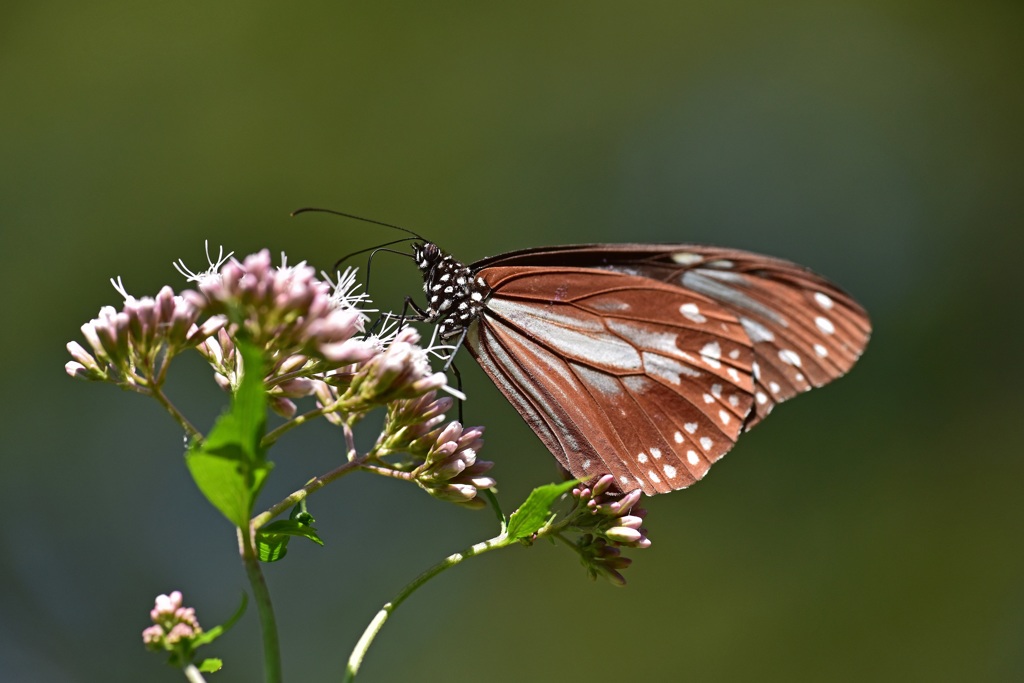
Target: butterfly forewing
{"points": [[648, 361]]}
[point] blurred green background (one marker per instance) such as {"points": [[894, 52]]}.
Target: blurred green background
{"points": [[872, 531]]}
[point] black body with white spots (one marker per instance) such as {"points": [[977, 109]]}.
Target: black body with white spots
{"points": [[454, 296]]}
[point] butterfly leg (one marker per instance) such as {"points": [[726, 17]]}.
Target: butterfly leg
{"points": [[455, 349], [458, 385], [421, 315]]}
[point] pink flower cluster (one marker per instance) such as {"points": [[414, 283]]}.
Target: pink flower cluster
{"points": [[131, 347], [614, 521], [311, 335], [173, 626], [443, 460], [286, 307], [451, 471]]}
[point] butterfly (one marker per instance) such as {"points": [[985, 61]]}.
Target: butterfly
{"points": [[643, 361]]}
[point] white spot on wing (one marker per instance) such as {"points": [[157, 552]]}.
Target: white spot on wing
{"points": [[609, 305], [711, 354], [735, 376], [692, 312], [692, 457], [789, 357], [724, 416], [708, 398], [678, 436], [761, 398], [690, 427], [705, 443], [670, 471], [756, 331], [653, 476], [823, 300], [655, 453], [641, 458], [825, 325], [820, 350], [774, 386], [686, 258], [716, 390], [720, 263]]}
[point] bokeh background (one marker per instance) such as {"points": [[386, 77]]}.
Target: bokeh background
{"points": [[871, 531]]}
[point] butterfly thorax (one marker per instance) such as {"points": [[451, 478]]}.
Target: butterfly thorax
{"points": [[454, 296]]}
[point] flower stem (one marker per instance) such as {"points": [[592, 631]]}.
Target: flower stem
{"points": [[190, 430], [268, 623], [291, 424], [193, 675], [314, 484], [355, 659]]}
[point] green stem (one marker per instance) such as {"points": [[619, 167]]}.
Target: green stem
{"points": [[275, 434], [355, 660], [348, 408], [268, 623], [190, 430], [263, 518], [389, 472], [493, 500]]}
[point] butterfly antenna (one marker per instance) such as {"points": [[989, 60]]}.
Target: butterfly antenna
{"points": [[375, 249], [312, 209]]}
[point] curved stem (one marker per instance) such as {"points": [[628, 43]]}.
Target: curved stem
{"points": [[261, 594], [389, 472], [190, 430], [355, 660], [314, 484], [493, 500], [340, 406], [277, 433]]}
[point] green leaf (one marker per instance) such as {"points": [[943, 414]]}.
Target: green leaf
{"points": [[272, 540], [229, 466], [535, 512], [216, 632], [292, 528], [211, 665], [271, 547]]}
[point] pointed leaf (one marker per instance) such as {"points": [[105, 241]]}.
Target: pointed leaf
{"points": [[271, 547], [229, 466], [216, 632], [211, 665], [535, 512], [272, 540]]}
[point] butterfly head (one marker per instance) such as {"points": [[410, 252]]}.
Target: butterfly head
{"points": [[454, 295]]}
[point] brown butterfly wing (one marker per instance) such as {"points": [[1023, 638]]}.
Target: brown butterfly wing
{"points": [[643, 363]]}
